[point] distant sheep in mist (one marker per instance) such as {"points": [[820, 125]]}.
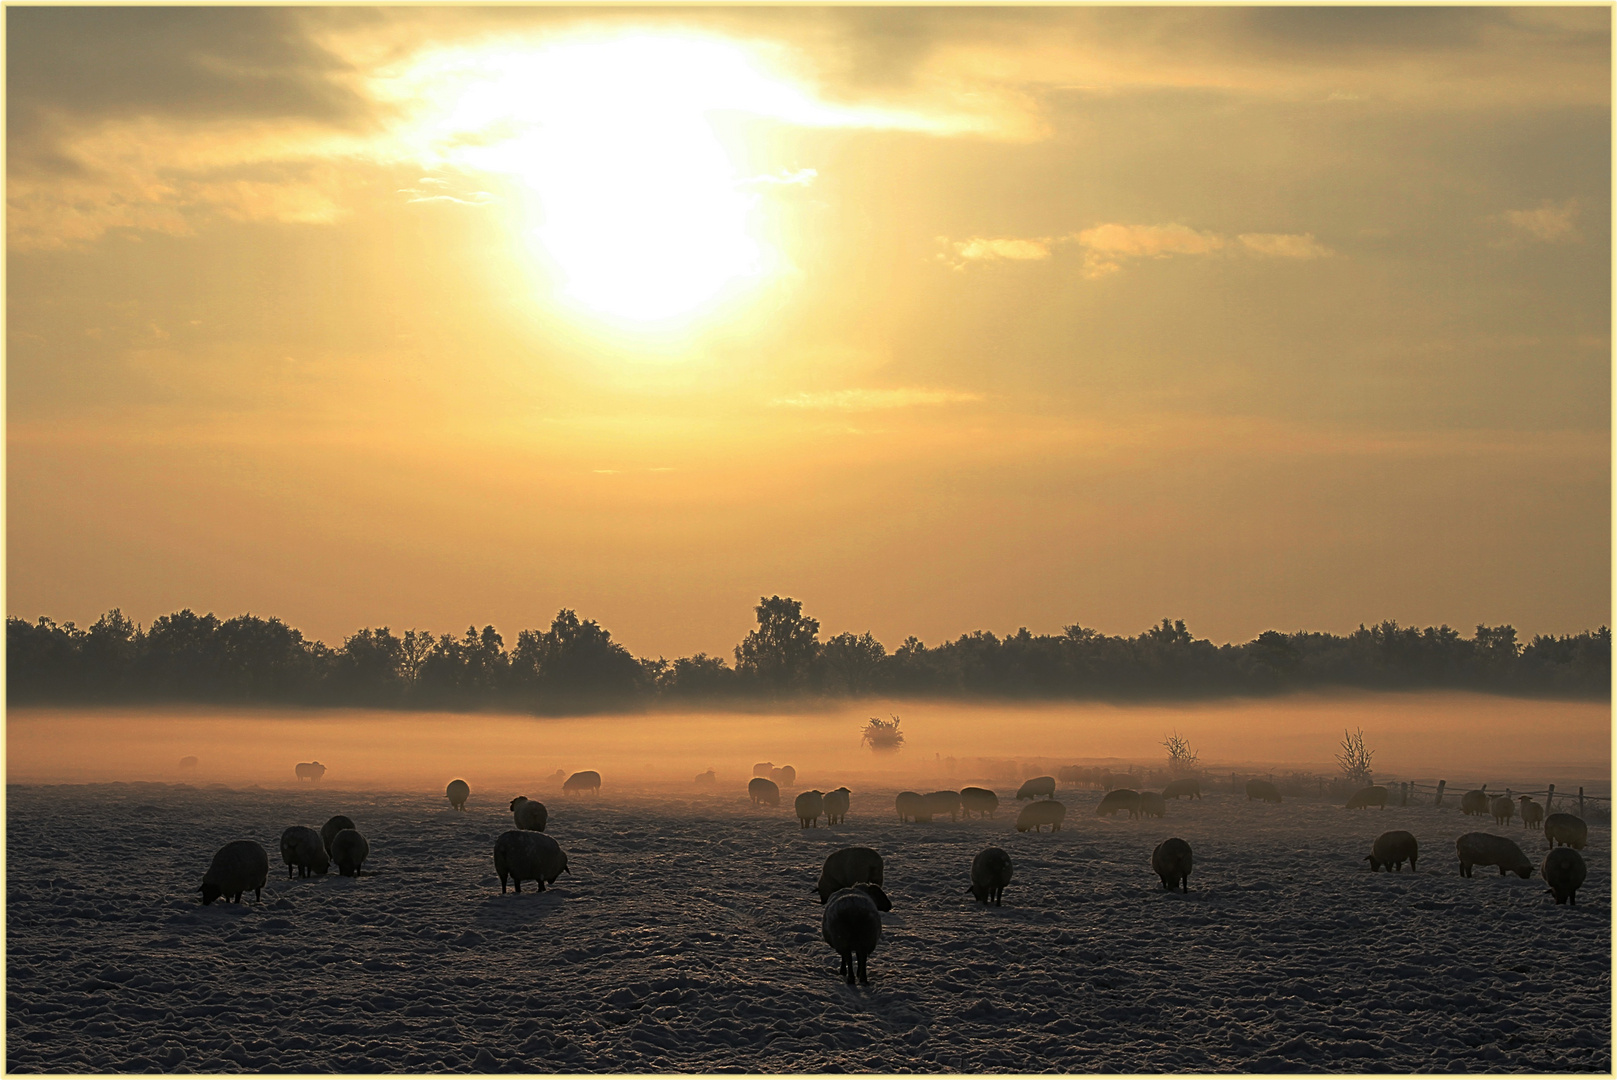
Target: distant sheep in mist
{"points": [[332, 827], [990, 873], [188, 763], [1391, 849], [810, 805], [1532, 812], [1119, 799], [941, 803], [980, 801], [1564, 870], [1367, 797], [349, 851], [238, 866], [1486, 849], [1502, 809], [763, 769], [1263, 790], [785, 775], [707, 779], [1475, 802], [1568, 829], [1172, 862], [912, 807], [851, 925], [1040, 787], [762, 790], [458, 791], [310, 770], [528, 856], [1152, 804], [582, 782], [848, 867], [1042, 812], [836, 807], [529, 814], [1183, 789], [303, 849]]}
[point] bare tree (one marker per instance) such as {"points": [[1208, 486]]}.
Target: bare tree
{"points": [[1181, 758], [1355, 757]]}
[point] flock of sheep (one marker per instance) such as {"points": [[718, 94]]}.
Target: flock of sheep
{"points": [[850, 884]]}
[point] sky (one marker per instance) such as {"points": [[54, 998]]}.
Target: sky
{"points": [[936, 319]]}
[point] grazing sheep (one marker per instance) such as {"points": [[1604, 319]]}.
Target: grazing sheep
{"points": [[707, 779], [849, 867], [1564, 870], [334, 826], [1172, 862], [348, 851], [1532, 812], [1392, 848], [978, 800], [1183, 789], [990, 873], [1367, 797], [529, 813], [1070, 774], [188, 762], [852, 927], [836, 807], [1152, 804], [1567, 829], [1262, 789], [763, 769], [912, 807], [1486, 849], [1038, 786], [1043, 812], [1502, 809], [762, 790], [589, 781], [310, 770], [939, 803], [458, 791], [238, 866], [1475, 802], [810, 805], [528, 856], [302, 848], [1119, 799], [785, 775]]}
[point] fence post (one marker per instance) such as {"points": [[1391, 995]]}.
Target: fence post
{"points": [[1580, 802], [1549, 800], [1441, 784], [1405, 800]]}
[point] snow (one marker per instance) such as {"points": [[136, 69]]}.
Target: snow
{"points": [[687, 938]]}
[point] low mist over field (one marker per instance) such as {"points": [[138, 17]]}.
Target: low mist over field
{"points": [[1458, 737]]}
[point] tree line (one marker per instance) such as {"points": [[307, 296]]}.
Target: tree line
{"points": [[575, 666]]}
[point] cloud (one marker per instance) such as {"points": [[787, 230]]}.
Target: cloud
{"points": [[800, 178], [1285, 245], [1105, 245], [978, 249], [861, 400], [1550, 222]]}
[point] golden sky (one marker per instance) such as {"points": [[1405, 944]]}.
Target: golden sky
{"points": [[937, 319]]}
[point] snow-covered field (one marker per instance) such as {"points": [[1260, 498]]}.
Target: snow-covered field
{"points": [[687, 937]]}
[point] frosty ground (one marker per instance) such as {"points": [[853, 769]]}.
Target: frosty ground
{"points": [[687, 937]]}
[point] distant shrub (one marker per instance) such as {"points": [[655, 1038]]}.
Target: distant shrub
{"points": [[883, 734]]}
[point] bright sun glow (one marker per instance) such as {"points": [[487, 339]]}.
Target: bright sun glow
{"points": [[638, 204]]}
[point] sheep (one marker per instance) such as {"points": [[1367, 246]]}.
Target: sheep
{"points": [[810, 805], [1532, 812], [310, 770], [238, 866], [990, 873], [1564, 870], [1391, 849], [349, 850], [1039, 785], [458, 791], [1262, 789], [1475, 802], [707, 779], [188, 762], [1172, 862], [580, 782], [1152, 804], [528, 856], [848, 867], [784, 775], [1567, 829], [944, 802], [529, 813], [1486, 849], [763, 769], [1043, 812], [1187, 788], [852, 927], [912, 807], [1367, 797], [1502, 809], [1070, 774], [761, 790], [303, 848], [334, 826], [836, 807], [1119, 799], [981, 800]]}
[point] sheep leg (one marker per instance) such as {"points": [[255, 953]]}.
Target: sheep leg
{"points": [[846, 967], [864, 980]]}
